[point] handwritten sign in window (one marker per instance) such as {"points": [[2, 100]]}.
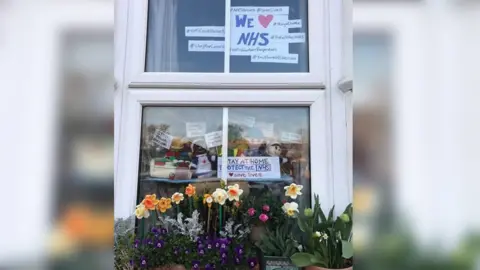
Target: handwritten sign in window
{"points": [[252, 167]]}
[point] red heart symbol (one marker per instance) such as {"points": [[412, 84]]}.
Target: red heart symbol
{"points": [[265, 20], [231, 174]]}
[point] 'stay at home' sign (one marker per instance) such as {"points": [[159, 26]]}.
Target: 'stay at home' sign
{"points": [[261, 33], [251, 167]]}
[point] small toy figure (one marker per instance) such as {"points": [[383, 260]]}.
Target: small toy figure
{"points": [[175, 148], [274, 149], [202, 160]]}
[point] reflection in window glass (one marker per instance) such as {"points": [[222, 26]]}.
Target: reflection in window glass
{"points": [[173, 148], [270, 148], [185, 36], [269, 36]]}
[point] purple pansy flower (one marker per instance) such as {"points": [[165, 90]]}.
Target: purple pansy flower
{"points": [[143, 261], [239, 250], [163, 231], [223, 243], [252, 262], [201, 251], [201, 246], [136, 243], [224, 255], [196, 264], [131, 262], [176, 251], [199, 241], [154, 230], [209, 245], [210, 266], [217, 244], [237, 260], [187, 251], [223, 261], [229, 240], [150, 242], [160, 244]]}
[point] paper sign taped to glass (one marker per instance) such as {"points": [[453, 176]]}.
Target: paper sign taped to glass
{"points": [[251, 167], [261, 33]]}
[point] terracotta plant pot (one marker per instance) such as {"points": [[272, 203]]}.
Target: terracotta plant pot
{"points": [[321, 268]]}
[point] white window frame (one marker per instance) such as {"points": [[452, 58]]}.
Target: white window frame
{"points": [[127, 176], [329, 165], [136, 47]]}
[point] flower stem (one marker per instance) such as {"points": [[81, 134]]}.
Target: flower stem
{"points": [[208, 221], [142, 228], [220, 210], [190, 200]]}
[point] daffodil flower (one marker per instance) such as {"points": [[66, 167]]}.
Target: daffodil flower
{"points": [[220, 196], [177, 197], [291, 209], [293, 190], [141, 211], [234, 192]]}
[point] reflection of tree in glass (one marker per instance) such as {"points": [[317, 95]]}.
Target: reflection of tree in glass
{"points": [[234, 132]]}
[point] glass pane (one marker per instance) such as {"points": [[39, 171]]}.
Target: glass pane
{"points": [[174, 151], [269, 147], [269, 36], [185, 36]]}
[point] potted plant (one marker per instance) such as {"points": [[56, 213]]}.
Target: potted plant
{"points": [[277, 246], [203, 238], [327, 241]]}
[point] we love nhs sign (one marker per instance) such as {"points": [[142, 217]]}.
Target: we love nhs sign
{"points": [[263, 34]]}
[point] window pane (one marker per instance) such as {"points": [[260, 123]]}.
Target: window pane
{"points": [[173, 148], [269, 36], [270, 148], [185, 36]]}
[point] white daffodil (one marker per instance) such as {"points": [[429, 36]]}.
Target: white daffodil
{"points": [[234, 192], [141, 211], [293, 190], [291, 209], [220, 196], [177, 197]]}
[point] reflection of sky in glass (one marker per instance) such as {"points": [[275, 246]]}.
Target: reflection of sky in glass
{"points": [[371, 63], [284, 119]]}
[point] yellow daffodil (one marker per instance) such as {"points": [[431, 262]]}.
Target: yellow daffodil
{"points": [[234, 192], [169, 203], [293, 190], [291, 209], [141, 211], [220, 196], [150, 202], [164, 204], [207, 199], [190, 190], [177, 197]]}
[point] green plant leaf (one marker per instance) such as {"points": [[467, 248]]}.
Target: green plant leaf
{"points": [[302, 224], [302, 259], [330, 214], [347, 249]]}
